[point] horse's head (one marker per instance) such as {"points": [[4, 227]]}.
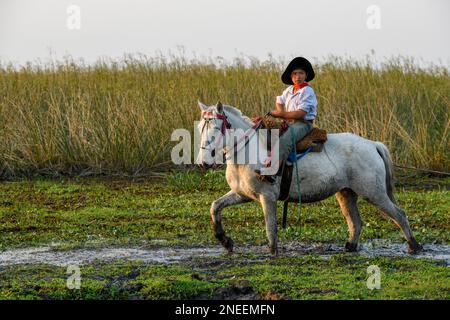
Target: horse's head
{"points": [[212, 128]]}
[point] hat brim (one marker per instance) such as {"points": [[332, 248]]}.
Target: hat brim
{"points": [[298, 63]]}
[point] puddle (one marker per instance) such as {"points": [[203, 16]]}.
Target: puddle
{"points": [[49, 255], [432, 251], [168, 255], [375, 248]]}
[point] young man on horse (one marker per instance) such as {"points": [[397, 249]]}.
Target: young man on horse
{"points": [[297, 105]]}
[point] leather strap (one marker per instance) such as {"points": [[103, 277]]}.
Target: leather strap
{"points": [[291, 121], [286, 180]]}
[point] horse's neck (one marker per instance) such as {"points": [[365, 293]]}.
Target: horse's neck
{"points": [[242, 123], [238, 122]]}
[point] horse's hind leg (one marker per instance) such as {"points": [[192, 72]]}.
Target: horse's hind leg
{"points": [[347, 200], [229, 199], [399, 217]]}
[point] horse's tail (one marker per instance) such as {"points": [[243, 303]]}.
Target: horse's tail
{"points": [[385, 155]]}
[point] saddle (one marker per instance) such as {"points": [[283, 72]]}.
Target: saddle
{"points": [[312, 142], [314, 139]]}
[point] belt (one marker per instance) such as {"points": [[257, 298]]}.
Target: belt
{"points": [[292, 121]]}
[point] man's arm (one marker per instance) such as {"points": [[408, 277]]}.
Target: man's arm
{"points": [[279, 107], [280, 113]]}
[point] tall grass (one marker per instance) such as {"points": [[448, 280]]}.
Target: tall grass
{"points": [[117, 116]]}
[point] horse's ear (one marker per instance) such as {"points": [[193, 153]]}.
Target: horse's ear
{"points": [[219, 107], [202, 106]]}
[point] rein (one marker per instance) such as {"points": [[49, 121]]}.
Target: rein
{"points": [[207, 116], [252, 132]]}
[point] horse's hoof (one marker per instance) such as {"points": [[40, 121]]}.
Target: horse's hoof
{"points": [[274, 252], [414, 247], [228, 243], [351, 247]]}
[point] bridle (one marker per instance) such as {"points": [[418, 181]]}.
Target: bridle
{"points": [[208, 115]]}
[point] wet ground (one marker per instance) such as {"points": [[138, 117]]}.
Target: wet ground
{"points": [[166, 255]]}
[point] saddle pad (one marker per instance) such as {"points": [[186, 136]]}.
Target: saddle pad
{"points": [[314, 137]]}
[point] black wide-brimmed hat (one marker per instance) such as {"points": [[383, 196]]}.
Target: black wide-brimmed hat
{"points": [[298, 63]]}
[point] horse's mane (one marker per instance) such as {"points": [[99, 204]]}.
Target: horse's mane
{"points": [[237, 113]]}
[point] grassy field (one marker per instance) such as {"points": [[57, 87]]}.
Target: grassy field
{"points": [[122, 212], [174, 212], [116, 117], [70, 132], [308, 277]]}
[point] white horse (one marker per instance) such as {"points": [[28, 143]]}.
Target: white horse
{"points": [[348, 166]]}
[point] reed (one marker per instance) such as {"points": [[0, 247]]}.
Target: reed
{"points": [[116, 117]]}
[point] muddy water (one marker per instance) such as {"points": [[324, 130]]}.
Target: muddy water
{"points": [[50, 255], [84, 256]]}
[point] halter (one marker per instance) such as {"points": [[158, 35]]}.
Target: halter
{"points": [[208, 115]]}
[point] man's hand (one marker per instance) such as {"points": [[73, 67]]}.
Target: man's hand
{"points": [[278, 113], [256, 119]]}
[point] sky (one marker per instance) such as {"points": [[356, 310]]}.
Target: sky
{"points": [[44, 29]]}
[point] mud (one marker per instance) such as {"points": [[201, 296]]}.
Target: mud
{"points": [[49, 255], [168, 255]]}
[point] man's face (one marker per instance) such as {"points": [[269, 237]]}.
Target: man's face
{"points": [[298, 76]]}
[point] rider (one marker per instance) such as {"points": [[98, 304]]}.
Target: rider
{"points": [[297, 105]]}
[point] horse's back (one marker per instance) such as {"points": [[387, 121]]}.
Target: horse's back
{"points": [[345, 159], [348, 146]]}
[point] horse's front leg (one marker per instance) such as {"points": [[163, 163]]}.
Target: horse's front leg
{"points": [[229, 199], [269, 205]]}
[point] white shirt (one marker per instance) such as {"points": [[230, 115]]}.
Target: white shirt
{"points": [[304, 99]]}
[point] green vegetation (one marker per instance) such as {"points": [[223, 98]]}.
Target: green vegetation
{"points": [[88, 211], [174, 211], [68, 120], [116, 117], [307, 277]]}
